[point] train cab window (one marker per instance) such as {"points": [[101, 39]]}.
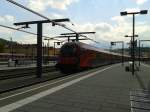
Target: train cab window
{"points": [[68, 50]]}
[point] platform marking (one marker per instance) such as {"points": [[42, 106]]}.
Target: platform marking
{"points": [[35, 97], [131, 103]]}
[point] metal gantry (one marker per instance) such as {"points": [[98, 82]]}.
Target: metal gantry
{"points": [[78, 34], [39, 40]]}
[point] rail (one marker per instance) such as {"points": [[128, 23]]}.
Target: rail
{"points": [[16, 73]]}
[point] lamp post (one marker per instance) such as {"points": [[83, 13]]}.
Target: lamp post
{"points": [[133, 14], [114, 43], [110, 50]]}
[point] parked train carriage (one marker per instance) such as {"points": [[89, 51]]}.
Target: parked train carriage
{"points": [[77, 55]]}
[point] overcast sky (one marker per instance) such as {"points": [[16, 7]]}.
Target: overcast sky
{"points": [[102, 16]]}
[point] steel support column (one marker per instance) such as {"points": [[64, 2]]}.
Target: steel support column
{"points": [[122, 53], [133, 47], [139, 53], [39, 50]]}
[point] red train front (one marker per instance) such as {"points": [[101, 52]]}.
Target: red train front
{"points": [[69, 57]]}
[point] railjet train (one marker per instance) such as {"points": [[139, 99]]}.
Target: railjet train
{"points": [[75, 56]]}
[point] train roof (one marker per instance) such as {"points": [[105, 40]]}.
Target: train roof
{"points": [[90, 47]]}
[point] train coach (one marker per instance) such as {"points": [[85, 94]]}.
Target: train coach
{"points": [[75, 56]]}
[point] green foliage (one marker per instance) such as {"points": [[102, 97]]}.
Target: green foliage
{"points": [[3, 42], [6, 42], [1, 47]]}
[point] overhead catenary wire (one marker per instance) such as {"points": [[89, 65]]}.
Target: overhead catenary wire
{"points": [[21, 6], [34, 12], [8, 27]]}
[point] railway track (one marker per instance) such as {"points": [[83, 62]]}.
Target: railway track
{"points": [[26, 81], [13, 79], [11, 84], [17, 73]]}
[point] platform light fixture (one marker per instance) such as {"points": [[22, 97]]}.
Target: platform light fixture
{"points": [[133, 13], [143, 12], [131, 36], [123, 13]]}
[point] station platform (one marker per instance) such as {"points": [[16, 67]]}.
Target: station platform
{"points": [[105, 89]]}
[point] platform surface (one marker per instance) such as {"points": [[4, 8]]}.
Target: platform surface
{"points": [[104, 90]]}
